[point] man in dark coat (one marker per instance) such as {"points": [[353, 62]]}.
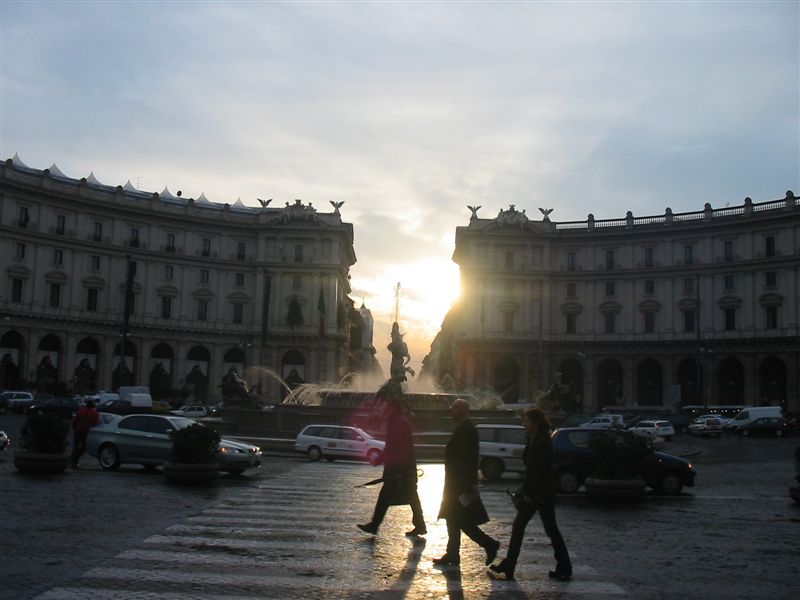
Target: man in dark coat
{"points": [[399, 465], [461, 504]]}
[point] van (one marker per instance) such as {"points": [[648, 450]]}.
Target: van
{"points": [[750, 413], [501, 447]]}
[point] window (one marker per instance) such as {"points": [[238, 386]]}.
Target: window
{"points": [[238, 311], [169, 272], [571, 322], [298, 253], [688, 285], [202, 310], [24, 216], [206, 247], [610, 259], [166, 307], [297, 282], [204, 276], [688, 254], [509, 259], [688, 320], [20, 251], [649, 322], [55, 295], [58, 256], [769, 245], [170, 242], [98, 232], [508, 321], [611, 289], [61, 223], [649, 287], [571, 261], [730, 319], [610, 322], [571, 290], [771, 279], [728, 251], [134, 237], [94, 263], [771, 317], [91, 299], [648, 257], [730, 283], [238, 279], [241, 250], [16, 290]]}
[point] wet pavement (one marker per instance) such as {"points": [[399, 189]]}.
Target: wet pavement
{"points": [[288, 531]]}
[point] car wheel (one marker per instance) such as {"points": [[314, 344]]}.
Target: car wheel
{"points": [[314, 453], [492, 468], [744, 432], [108, 457], [671, 484], [567, 482], [374, 456]]}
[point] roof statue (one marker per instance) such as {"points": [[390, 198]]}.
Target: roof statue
{"points": [[264, 203], [474, 210], [546, 212], [336, 207], [512, 216], [299, 211]]}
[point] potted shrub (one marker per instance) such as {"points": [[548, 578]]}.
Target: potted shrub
{"points": [[194, 455], [43, 444], [618, 457]]}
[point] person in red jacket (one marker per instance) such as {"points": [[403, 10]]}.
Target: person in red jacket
{"points": [[86, 418]]}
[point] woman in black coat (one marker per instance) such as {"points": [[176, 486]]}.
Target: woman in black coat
{"points": [[462, 507], [536, 493]]}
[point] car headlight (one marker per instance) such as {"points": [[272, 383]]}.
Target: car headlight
{"points": [[228, 450]]}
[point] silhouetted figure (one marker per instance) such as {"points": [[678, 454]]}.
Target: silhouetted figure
{"points": [[83, 379], [9, 372], [197, 384], [159, 382], [462, 507], [536, 493], [399, 464], [121, 376], [46, 376]]}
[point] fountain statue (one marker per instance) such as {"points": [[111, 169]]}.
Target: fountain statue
{"points": [[235, 392], [400, 356]]}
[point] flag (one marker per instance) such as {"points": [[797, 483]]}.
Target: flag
{"points": [[321, 308]]}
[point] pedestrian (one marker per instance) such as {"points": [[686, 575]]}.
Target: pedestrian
{"points": [[536, 493], [461, 506], [86, 418], [399, 464]]}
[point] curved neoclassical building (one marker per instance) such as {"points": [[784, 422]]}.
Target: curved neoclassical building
{"points": [[665, 310], [207, 287]]}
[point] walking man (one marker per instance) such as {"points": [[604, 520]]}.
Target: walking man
{"points": [[399, 464], [86, 418], [462, 507]]}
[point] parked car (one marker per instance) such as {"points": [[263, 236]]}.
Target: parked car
{"points": [[145, 439], [121, 407], [605, 421], [337, 441], [16, 401], [751, 413], [766, 426], [65, 406], [195, 411], [721, 418], [5, 441], [574, 461], [651, 428], [501, 448], [705, 426]]}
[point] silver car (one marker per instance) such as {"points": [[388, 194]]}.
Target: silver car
{"points": [[145, 439]]}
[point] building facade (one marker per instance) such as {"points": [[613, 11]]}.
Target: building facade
{"points": [[667, 310], [208, 287]]}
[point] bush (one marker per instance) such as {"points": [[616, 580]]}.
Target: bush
{"points": [[45, 434], [618, 454], [194, 444]]}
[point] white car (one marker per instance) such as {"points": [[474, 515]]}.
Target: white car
{"points": [[338, 441], [722, 419], [501, 448], [605, 421], [191, 412], [654, 429], [704, 426]]}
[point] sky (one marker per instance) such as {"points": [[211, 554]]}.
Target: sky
{"points": [[411, 111]]}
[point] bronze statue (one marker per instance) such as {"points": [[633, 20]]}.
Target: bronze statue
{"points": [[197, 384], [83, 379], [400, 356], [236, 393]]}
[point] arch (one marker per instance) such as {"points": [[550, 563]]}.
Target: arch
{"points": [[772, 382], [649, 383], [88, 345], [688, 373], [609, 383], [50, 343], [506, 379], [162, 351], [12, 355], [84, 377], [572, 376], [234, 355], [199, 353], [730, 381]]}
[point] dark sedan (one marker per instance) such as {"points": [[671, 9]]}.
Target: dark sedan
{"points": [[776, 426], [574, 461], [62, 406]]}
